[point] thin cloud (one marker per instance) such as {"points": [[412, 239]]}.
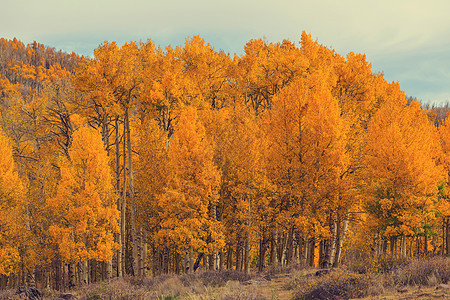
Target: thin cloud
{"points": [[390, 33]]}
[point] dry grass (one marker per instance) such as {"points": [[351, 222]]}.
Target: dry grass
{"points": [[386, 280], [215, 278], [289, 269], [7, 294], [395, 279], [200, 285], [236, 291], [338, 284], [367, 265], [425, 272]]}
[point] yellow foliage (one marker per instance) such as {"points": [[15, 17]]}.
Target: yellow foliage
{"points": [[84, 211], [12, 219], [401, 175]]}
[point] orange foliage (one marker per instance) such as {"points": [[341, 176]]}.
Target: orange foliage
{"points": [[84, 216], [280, 146]]}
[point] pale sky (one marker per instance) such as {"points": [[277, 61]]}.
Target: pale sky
{"points": [[409, 40]]}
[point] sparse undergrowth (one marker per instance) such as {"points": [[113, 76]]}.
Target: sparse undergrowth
{"points": [[215, 278], [338, 284], [378, 276], [428, 272], [368, 265], [282, 283], [192, 286]]}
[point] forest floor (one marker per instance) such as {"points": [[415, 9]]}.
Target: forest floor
{"points": [[424, 279]]}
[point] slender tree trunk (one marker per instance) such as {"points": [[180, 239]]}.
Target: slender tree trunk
{"points": [[155, 260], [307, 251], [396, 246], [393, 240], [205, 262], [83, 267], [262, 252], [444, 246], [3, 282], [247, 254], [105, 133], [132, 200], [337, 257], [334, 239], [140, 263], [109, 271], [71, 275], [287, 248], [124, 198], [191, 260], [248, 236], [416, 247], [403, 246], [177, 262], [447, 239], [273, 249], [221, 260], [56, 275], [384, 247], [298, 254], [119, 236], [230, 257], [144, 254], [376, 246], [11, 282], [186, 266], [63, 270], [239, 262], [219, 217], [411, 247], [280, 247], [312, 245], [282, 250], [167, 254], [321, 254], [303, 252], [291, 247], [213, 257], [105, 137]]}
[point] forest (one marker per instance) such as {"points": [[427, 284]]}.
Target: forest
{"points": [[144, 161]]}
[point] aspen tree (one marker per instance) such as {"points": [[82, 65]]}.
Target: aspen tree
{"points": [[401, 172], [84, 216], [12, 216]]}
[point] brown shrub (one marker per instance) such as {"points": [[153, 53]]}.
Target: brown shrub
{"points": [[291, 268], [8, 294], [368, 265], [431, 271], [214, 278], [339, 284]]}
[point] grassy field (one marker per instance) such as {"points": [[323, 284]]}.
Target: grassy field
{"points": [[423, 279]]}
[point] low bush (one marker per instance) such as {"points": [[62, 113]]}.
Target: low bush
{"points": [[7, 294], [339, 284], [368, 265], [431, 271], [291, 268], [214, 278]]}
